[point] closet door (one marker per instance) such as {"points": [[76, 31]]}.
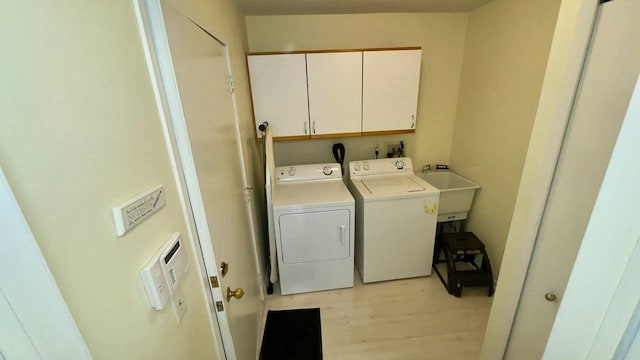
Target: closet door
{"points": [[602, 99], [335, 93], [390, 81], [279, 92]]}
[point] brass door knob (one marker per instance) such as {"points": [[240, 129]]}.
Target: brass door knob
{"points": [[550, 296], [237, 293]]}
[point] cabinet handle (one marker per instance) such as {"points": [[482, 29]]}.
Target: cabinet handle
{"points": [[314, 126], [343, 234], [413, 121], [305, 128]]}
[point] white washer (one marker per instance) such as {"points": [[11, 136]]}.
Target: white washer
{"points": [[396, 214], [314, 216]]}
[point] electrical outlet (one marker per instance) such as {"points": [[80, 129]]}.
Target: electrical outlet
{"points": [[178, 304], [392, 149]]}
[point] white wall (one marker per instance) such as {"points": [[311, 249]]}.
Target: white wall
{"points": [[506, 50], [81, 133], [441, 36]]}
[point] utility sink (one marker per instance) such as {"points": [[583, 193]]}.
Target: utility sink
{"points": [[456, 194]]}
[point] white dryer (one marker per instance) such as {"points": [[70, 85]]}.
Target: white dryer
{"points": [[314, 216], [396, 215]]}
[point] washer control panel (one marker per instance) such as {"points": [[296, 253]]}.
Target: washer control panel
{"points": [[380, 166], [308, 172]]}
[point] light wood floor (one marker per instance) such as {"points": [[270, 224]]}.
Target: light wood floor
{"points": [[402, 319]]}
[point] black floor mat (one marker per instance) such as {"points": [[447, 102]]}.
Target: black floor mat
{"points": [[292, 335]]}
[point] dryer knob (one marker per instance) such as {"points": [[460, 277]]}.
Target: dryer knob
{"points": [[365, 166], [327, 170], [356, 168], [400, 164], [292, 172]]}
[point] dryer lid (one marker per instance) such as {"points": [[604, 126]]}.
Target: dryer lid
{"points": [[396, 184]]}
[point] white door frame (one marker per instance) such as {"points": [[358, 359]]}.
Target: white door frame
{"points": [[162, 74], [30, 288], [576, 19]]}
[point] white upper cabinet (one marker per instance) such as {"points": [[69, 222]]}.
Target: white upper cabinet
{"points": [[327, 94], [334, 83], [390, 82], [279, 91]]}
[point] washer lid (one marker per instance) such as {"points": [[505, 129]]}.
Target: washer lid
{"points": [[396, 184]]}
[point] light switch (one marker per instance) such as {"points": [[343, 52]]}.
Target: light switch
{"points": [[178, 304]]}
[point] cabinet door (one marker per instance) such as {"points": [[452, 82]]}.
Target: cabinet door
{"points": [[279, 92], [390, 83], [335, 93]]}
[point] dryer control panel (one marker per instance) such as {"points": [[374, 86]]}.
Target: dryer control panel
{"points": [[308, 172], [380, 167]]}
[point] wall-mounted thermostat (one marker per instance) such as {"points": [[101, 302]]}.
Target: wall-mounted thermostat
{"points": [[163, 272], [174, 261], [154, 282]]}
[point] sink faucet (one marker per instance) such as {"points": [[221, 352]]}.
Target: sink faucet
{"points": [[426, 168]]}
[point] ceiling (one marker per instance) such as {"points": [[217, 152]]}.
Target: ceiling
{"points": [[306, 7]]}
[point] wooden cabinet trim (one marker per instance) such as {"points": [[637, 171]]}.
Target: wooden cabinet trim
{"points": [[338, 135], [291, 138], [332, 51], [342, 135], [388, 132]]}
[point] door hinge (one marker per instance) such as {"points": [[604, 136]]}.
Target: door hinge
{"points": [[230, 83], [214, 281], [219, 306]]}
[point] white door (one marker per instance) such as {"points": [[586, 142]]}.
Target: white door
{"points": [[599, 317], [390, 84], [279, 92], [602, 99], [335, 93], [15, 343], [206, 134], [35, 322]]}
